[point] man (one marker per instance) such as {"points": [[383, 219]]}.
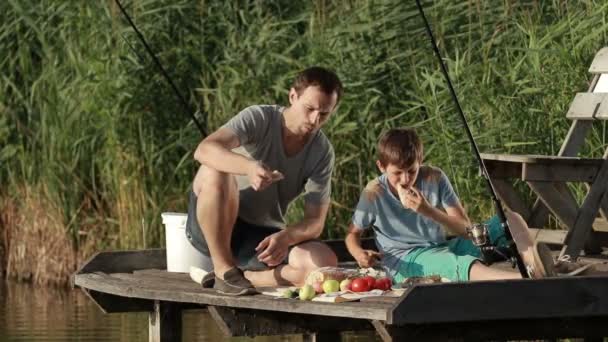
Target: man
{"points": [[251, 169]]}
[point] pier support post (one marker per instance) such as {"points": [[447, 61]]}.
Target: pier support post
{"points": [[165, 323], [326, 336]]}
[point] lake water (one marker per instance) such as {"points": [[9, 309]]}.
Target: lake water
{"points": [[33, 313]]}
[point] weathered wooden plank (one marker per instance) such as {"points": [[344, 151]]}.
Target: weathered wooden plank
{"points": [[604, 201], [600, 224], [575, 138], [164, 274], [538, 159], [604, 209], [587, 106], [246, 322], [507, 299], [501, 330], [146, 280], [108, 303], [150, 290], [539, 215], [577, 236], [602, 113], [573, 142], [165, 323], [559, 206], [510, 197], [125, 261], [565, 191], [557, 170], [498, 169], [182, 281], [382, 299], [558, 236], [322, 337], [600, 62], [550, 236]]}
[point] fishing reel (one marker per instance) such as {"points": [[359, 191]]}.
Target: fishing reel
{"points": [[479, 235]]}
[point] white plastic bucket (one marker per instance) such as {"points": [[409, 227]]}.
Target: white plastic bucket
{"points": [[180, 253]]}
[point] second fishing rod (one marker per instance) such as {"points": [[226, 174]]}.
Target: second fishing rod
{"points": [[477, 234]]}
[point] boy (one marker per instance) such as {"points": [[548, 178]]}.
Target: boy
{"points": [[408, 205]]}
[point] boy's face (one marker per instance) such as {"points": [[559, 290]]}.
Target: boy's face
{"points": [[312, 108], [399, 176]]}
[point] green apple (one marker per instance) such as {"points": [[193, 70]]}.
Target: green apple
{"points": [[307, 292], [330, 286]]}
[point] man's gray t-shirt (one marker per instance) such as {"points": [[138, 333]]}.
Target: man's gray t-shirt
{"points": [[398, 230], [260, 131]]}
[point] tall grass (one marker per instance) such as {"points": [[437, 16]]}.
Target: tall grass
{"points": [[92, 132]]}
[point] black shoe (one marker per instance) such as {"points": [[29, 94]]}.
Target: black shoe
{"points": [[208, 280], [234, 284]]}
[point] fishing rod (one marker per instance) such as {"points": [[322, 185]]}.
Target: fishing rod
{"points": [[501, 214], [180, 97]]}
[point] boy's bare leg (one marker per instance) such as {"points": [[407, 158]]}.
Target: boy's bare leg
{"points": [[521, 236], [216, 211], [480, 271], [535, 255], [303, 259]]}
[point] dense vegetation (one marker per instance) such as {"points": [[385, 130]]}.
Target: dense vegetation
{"points": [[94, 145]]}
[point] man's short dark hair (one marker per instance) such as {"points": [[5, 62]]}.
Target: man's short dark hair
{"points": [[321, 77], [401, 147]]}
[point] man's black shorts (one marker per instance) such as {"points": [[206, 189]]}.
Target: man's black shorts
{"points": [[245, 238]]}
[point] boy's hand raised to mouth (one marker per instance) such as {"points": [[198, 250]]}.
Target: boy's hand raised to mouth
{"points": [[413, 199]]}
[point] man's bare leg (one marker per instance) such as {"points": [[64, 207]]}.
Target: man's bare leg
{"points": [[303, 259], [216, 211]]}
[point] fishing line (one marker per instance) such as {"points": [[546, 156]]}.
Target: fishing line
{"points": [[181, 98], [500, 212]]}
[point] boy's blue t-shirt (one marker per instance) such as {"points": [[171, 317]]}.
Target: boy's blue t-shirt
{"points": [[398, 230]]}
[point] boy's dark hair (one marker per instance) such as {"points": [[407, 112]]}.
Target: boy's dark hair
{"points": [[325, 79], [401, 147]]}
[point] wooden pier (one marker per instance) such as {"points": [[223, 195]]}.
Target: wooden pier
{"points": [[132, 281]]}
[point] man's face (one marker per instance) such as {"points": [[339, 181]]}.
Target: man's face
{"points": [[399, 176], [311, 108]]}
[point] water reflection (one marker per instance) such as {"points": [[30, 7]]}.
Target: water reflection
{"points": [[32, 313]]}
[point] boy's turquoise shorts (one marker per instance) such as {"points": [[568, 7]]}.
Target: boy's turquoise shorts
{"points": [[451, 260]]}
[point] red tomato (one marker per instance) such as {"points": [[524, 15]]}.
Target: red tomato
{"points": [[359, 285], [383, 284], [371, 282]]}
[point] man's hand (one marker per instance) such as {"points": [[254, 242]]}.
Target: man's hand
{"points": [[274, 248], [367, 258], [260, 176], [413, 199]]}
